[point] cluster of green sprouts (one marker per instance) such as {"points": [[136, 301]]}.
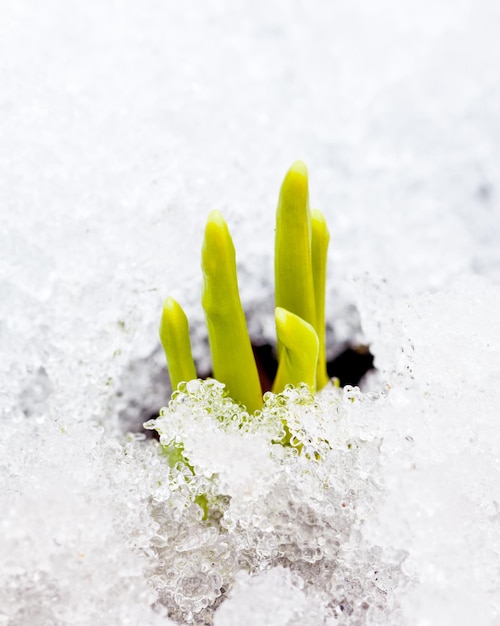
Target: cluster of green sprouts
{"points": [[300, 276]]}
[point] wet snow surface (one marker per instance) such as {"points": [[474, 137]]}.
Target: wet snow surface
{"points": [[121, 126]]}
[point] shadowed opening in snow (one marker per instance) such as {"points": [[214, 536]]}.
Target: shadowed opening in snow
{"points": [[349, 366]]}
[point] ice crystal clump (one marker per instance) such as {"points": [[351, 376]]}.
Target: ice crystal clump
{"points": [[440, 354], [272, 496], [273, 598], [75, 526], [383, 511]]}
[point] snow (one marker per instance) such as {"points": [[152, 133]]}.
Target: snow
{"points": [[440, 452], [122, 125]]}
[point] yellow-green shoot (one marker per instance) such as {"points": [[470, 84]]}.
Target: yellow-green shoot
{"points": [[300, 277], [320, 237], [174, 335], [301, 247], [232, 356], [293, 271]]}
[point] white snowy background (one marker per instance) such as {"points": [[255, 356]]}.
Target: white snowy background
{"points": [[122, 124]]}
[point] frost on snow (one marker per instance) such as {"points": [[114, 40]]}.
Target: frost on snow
{"points": [[120, 128], [268, 506], [382, 507]]}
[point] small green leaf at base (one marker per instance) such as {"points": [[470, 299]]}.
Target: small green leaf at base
{"points": [[299, 354]]}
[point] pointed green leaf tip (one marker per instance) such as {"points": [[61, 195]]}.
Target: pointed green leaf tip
{"points": [[174, 335], [299, 354], [292, 261], [232, 357]]}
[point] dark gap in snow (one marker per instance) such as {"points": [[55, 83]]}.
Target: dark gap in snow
{"points": [[349, 367]]}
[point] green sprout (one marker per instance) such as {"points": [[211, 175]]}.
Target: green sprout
{"points": [[320, 238], [300, 280], [232, 356], [174, 335]]}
